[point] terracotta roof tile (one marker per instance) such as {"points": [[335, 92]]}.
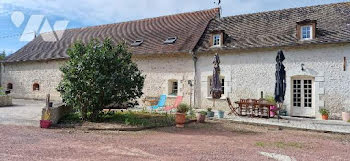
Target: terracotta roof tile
{"points": [[187, 27], [278, 28]]}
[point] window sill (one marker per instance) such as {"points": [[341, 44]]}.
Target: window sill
{"points": [[216, 46], [302, 40], [222, 98], [172, 96]]}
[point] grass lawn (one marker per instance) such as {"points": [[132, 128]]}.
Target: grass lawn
{"points": [[142, 119]]}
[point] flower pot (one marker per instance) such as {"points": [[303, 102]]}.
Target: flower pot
{"points": [[324, 117], [180, 119], [210, 114], [200, 118], [345, 116], [221, 114], [272, 111], [45, 123]]}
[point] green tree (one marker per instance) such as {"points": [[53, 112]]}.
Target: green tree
{"points": [[99, 74], [2, 55]]}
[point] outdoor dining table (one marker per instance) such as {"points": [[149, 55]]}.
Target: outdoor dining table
{"points": [[259, 104]]}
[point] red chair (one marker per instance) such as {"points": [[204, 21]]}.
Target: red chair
{"points": [[177, 103]]}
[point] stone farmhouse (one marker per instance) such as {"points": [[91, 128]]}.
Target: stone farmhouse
{"points": [[173, 50]]}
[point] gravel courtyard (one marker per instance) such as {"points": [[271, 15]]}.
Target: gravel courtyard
{"points": [[209, 141]]}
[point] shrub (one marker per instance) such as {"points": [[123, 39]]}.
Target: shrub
{"points": [[349, 121], [144, 119], [2, 93], [97, 75], [183, 108], [209, 109], [203, 113], [324, 111], [270, 99]]}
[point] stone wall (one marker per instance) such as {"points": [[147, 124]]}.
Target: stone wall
{"points": [[5, 101], [56, 112], [247, 73], [159, 69], [23, 75]]}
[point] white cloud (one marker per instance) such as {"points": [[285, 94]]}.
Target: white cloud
{"points": [[107, 11], [92, 12]]}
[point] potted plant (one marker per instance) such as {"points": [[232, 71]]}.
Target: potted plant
{"points": [[221, 114], [210, 113], [180, 116], [324, 113], [271, 99], [46, 122], [346, 115], [201, 116]]}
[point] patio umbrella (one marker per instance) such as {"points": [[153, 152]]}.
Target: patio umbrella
{"points": [[216, 90], [280, 86]]}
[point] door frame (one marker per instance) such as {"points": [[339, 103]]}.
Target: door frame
{"points": [[302, 111]]}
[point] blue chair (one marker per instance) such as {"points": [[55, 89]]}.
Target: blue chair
{"points": [[161, 102]]}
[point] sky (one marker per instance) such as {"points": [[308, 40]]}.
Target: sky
{"points": [[15, 15]]}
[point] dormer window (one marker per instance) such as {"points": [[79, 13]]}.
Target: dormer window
{"points": [[306, 32], [217, 40], [137, 42], [170, 40]]}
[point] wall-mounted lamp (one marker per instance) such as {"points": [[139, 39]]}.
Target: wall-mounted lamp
{"points": [[190, 83], [302, 67]]}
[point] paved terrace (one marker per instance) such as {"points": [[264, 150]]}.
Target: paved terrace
{"points": [[23, 112], [298, 123]]}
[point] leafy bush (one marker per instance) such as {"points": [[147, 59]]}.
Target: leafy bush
{"points": [[138, 118], [2, 93], [324, 111], [71, 118], [209, 109], [203, 113], [270, 99], [183, 108], [97, 75]]}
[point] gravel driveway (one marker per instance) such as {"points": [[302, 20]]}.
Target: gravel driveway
{"points": [[23, 112], [210, 141]]}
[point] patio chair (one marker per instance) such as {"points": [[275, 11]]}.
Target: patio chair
{"points": [[161, 102], [177, 103], [233, 109], [244, 107]]}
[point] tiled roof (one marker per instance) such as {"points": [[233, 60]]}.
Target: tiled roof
{"points": [[187, 27], [278, 28]]}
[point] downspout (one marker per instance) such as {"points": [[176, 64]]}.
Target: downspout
{"points": [[194, 58]]}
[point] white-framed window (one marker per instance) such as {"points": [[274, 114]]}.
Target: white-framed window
{"points": [[216, 39], [306, 32], [210, 82], [173, 87], [302, 92]]}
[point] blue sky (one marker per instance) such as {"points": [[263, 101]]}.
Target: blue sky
{"points": [[82, 13]]}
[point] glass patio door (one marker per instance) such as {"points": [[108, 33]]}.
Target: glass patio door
{"points": [[303, 97]]}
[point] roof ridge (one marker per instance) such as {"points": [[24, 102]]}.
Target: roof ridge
{"points": [[287, 9], [217, 9]]}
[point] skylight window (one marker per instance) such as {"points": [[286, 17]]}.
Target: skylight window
{"points": [[137, 42], [170, 40]]}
